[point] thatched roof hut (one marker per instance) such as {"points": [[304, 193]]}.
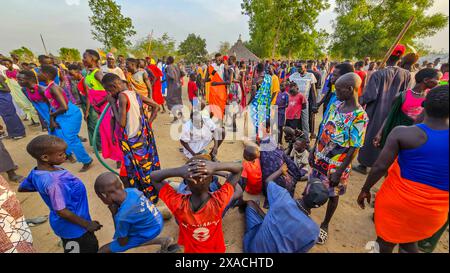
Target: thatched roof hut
{"points": [[241, 52]]}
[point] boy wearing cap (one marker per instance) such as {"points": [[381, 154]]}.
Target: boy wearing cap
{"points": [[110, 67], [287, 227]]}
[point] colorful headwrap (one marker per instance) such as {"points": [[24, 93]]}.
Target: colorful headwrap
{"points": [[399, 50]]}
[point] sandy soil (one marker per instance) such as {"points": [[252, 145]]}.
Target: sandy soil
{"points": [[350, 230]]}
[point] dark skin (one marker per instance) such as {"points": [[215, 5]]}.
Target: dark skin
{"points": [[120, 114], [219, 61], [334, 77], [91, 63], [198, 175], [346, 91], [400, 138], [198, 123], [419, 88], [48, 162], [251, 153], [57, 93], [312, 92], [133, 68]]}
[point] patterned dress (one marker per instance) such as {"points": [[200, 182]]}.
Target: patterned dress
{"points": [[260, 106], [339, 132], [140, 154]]}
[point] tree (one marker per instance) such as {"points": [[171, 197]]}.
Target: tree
{"points": [[193, 49], [368, 27], [224, 47], [291, 32], [155, 47], [24, 54], [110, 27], [69, 54]]}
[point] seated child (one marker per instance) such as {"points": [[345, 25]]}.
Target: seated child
{"points": [[300, 153], [287, 227], [289, 137], [215, 185], [251, 180], [137, 221], [63, 193], [198, 214], [272, 158]]}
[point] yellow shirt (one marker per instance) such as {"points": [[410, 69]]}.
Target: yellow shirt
{"points": [[275, 88]]}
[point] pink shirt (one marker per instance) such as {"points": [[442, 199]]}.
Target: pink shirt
{"points": [[34, 95], [412, 106], [53, 102], [294, 109]]}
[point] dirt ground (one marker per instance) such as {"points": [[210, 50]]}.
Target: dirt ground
{"points": [[350, 229]]}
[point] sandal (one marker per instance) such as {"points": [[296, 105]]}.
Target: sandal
{"points": [[323, 237]]}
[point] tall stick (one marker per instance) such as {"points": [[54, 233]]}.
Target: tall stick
{"points": [[43, 43], [399, 37], [150, 39]]}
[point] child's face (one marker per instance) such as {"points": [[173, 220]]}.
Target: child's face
{"points": [[75, 74], [199, 187], [88, 60], [293, 89], [131, 66], [300, 146], [22, 81], [57, 156]]}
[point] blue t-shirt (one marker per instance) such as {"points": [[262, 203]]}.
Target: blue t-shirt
{"points": [[284, 229], [137, 217], [60, 190]]}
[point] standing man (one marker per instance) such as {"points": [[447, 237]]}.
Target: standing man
{"points": [[110, 67], [173, 99], [383, 87], [14, 125], [7, 165], [306, 83]]}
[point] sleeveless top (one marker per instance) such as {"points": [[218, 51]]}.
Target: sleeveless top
{"points": [[53, 102], [133, 114], [427, 164], [92, 82], [412, 106], [34, 95]]}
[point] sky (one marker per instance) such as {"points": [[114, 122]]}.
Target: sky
{"points": [[65, 23]]}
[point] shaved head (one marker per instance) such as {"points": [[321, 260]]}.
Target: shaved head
{"points": [[104, 180], [251, 152], [349, 80]]}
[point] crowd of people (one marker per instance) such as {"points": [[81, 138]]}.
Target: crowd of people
{"points": [[391, 119]]}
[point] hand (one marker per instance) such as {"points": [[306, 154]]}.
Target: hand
{"points": [[53, 125], [202, 169], [284, 169], [363, 195], [93, 226], [377, 141], [335, 179], [110, 99]]}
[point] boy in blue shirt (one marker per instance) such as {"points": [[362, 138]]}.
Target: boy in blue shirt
{"points": [[137, 221], [63, 193]]}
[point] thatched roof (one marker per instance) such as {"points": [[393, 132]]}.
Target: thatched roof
{"points": [[241, 52]]}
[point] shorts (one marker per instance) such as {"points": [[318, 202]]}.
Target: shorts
{"points": [[339, 190], [133, 242], [87, 243], [294, 123]]}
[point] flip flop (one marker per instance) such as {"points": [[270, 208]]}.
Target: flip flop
{"points": [[37, 221], [323, 237]]}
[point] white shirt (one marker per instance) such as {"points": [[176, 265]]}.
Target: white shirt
{"points": [[303, 82], [133, 114], [197, 138], [116, 70], [219, 69]]}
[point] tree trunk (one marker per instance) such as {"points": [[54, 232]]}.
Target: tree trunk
{"points": [[277, 38]]}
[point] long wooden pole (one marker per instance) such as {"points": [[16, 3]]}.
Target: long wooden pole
{"points": [[399, 37], [43, 43]]}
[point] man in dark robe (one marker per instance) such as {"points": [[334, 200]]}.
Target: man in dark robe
{"points": [[382, 88]]}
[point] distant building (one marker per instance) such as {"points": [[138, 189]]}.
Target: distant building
{"points": [[241, 52]]}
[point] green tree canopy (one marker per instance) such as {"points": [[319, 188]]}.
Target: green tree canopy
{"points": [[284, 27], [110, 27], [193, 49], [24, 54], [369, 27], [69, 54], [224, 47], [154, 47]]}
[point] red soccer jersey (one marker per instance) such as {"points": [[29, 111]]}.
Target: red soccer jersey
{"points": [[201, 231]]}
